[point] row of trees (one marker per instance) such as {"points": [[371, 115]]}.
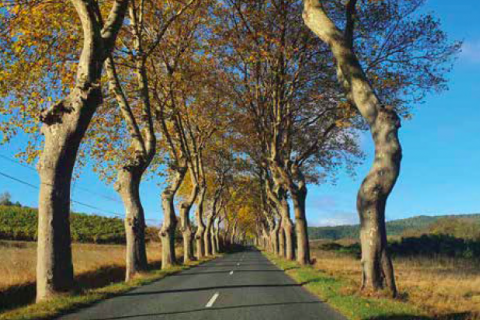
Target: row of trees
{"points": [[236, 103]]}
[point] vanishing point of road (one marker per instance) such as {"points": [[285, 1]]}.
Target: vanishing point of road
{"points": [[238, 286]]}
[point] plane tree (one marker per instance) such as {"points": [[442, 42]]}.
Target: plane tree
{"points": [[286, 97], [129, 146], [388, 55], [76, 85]]}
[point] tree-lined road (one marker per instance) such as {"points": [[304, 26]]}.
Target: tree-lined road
{"points": [[243, 285]]}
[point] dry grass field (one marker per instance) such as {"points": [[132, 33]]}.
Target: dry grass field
{"points": [[95, 266], [440, 286], [18, 259]]}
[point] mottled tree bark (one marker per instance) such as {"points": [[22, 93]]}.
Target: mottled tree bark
{"points": [[289, 241], [281, 240], [293, 179], [64, 126], [185, 221], [207, 236], [301, 228], [130, 174], [274, 238], [212, 239], [200, 225], [384, 124], [167, 232], [128, 186], [217, 235]]}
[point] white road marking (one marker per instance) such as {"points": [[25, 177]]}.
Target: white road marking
{"points": [[212, 300], [231, 272], [238, 264]]}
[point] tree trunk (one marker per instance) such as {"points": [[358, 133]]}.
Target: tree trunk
{"points": [[207, 236], [289, 241], [186, 227], [371, 202], [187, 244], [281, 241], [64, 126], [167, 232], [217, 237], [274, 239], [200, 225], [301, 228], [213, 241], [128, 185], [287, 225], [384, 124]]}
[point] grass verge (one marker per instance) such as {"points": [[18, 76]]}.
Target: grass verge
{"points": [[337, 293], [64, 304]]}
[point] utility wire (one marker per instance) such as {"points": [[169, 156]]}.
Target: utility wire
{"points": [[76, 187], [71, 200]]}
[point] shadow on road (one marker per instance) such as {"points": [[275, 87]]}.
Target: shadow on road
{"points": [[211, 309], [212, 288], [220, 272]]}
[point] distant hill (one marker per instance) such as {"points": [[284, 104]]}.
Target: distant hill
{"points": [[20, 223], [394, 228]]}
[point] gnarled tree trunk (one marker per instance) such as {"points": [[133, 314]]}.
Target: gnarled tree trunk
{"points": [[301, 228], [213, 240], [128, 186], [64, 126], [281, 240], [200, 225], [217, 236], [289, 241], [186, 227], [274, 238], [207, 241], [167, 232], [384, 124]]}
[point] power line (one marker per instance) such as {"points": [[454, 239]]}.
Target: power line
{"points": [[76, 187], [72, 200]]}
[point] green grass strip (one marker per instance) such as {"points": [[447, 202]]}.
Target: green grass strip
{"points": [[338, 294], [68, 303]]}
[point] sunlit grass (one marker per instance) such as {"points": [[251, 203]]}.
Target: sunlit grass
{"points": [[338, 293], [99, 273], [440, 286], [60, 305], [18, 259]]}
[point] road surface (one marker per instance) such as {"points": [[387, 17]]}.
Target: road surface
{"points": [[238, 286]]}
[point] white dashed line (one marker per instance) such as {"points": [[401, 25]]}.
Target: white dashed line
{"points": [[238, 264], [212, 300], [231, 272]]}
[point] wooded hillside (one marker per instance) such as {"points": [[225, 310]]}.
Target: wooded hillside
{"points": [[394, 228]]}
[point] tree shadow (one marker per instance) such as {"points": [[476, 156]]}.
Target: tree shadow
{"points": [[212, 288], [211, 309], [24, 294], [220, 272]]}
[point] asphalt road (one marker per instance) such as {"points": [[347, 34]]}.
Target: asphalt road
{"points": [[238, 286]]}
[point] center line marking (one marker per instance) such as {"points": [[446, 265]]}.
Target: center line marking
{"points": [[212, 300], [238, 264], [231, 272]]}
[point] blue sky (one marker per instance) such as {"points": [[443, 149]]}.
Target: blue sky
{"points": [[440, 169]]}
